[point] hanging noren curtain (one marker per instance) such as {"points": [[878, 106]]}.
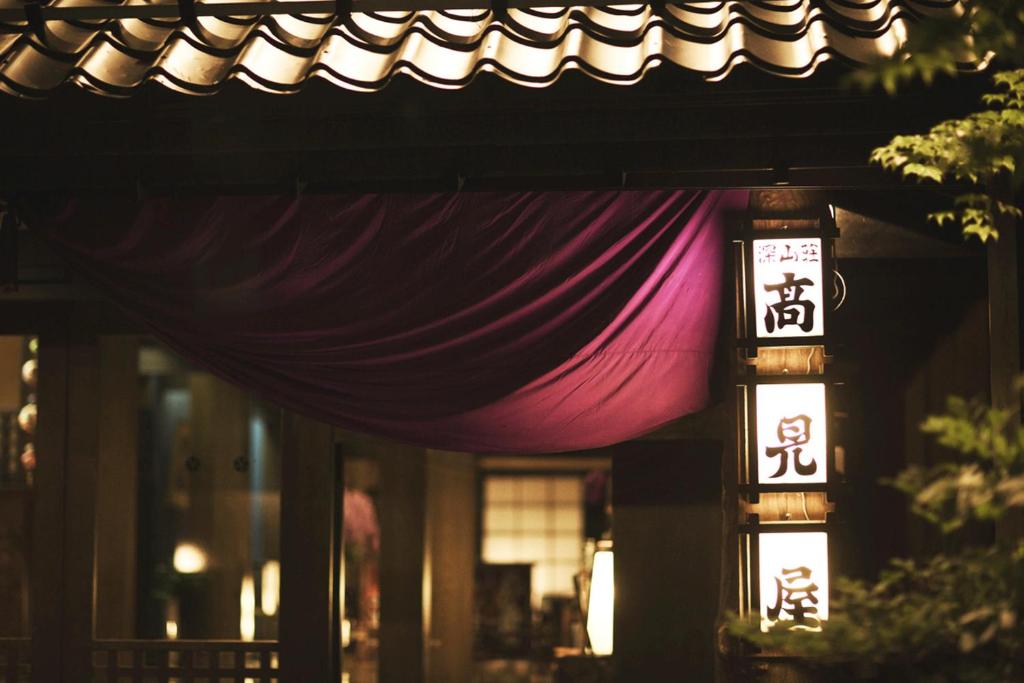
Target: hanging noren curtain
{"points": [[486, 322]]}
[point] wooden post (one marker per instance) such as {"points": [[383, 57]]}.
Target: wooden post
{"points": [[117, 487], [402, 561], [219, 511], [65, 497], [47, 580], [667, 498], [80, 493], [1004, 317], [1004, 339], [307, 627], [451, 537]]}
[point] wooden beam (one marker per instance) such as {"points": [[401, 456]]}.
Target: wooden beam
{"points": [[672, 130]]}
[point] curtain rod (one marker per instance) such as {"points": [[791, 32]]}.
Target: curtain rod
{"points": [[34, 13]]}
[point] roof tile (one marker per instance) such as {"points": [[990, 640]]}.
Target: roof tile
{"points": [[448, 49]]}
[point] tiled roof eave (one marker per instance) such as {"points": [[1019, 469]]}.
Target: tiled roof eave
{"points": [[448, 49]]}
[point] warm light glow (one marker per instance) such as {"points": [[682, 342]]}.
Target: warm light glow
{"points": [[346, 632], [189, 559], [171, 617], [270, 591], [600, 611], [27, 418], [172, 629], [30, 373], [247, 611], [788, 288], [535, 520], [791, 434], [794, 579]]}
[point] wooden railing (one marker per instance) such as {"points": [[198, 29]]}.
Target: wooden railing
{"points": [[184, 661], [14, 660]]}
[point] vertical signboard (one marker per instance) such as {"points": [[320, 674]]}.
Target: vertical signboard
{"points": [[793, 579], [791, 434], [788, 288]]}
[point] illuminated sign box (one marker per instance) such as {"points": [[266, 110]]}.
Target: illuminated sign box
{"points": [[793, 574], [788, 288], [792, 434], [788, 462]]}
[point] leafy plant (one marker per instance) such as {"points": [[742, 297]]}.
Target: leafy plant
{"points": [[979, 149], [984, 31], [984, 150], [983, 484], [950, 618]]}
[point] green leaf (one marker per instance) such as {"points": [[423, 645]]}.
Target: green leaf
{"points": [[923, 171]]}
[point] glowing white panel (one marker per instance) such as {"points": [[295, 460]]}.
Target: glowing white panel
{"points": [[794, 579], [601, 608], [171, 629], [171, 619], [791, 434], [270, 595], [788, 288], [247, 608]]}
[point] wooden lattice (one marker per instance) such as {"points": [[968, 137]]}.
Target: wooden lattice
{"points": [[14, 660], [180, 661]]}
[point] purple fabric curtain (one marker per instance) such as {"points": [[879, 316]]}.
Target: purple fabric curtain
{"points": [[509, 322]]}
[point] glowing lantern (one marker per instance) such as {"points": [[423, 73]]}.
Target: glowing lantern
{"points": [[785, 408], [171, 619], [28, 457], [30, 373], [171, 629], [784, 559], [792, 436], [247, 608], [270, 587], [601, 606], [346, 633], [788, 284], [793, 573], [189, 559], [27, 418]]}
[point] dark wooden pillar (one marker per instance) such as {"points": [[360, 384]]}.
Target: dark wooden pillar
{"points": [[117, 487], [309, 496], [65, 499], [451, 538], [47, 580], [80, 493], [667, 498], [1004, 317], [402, 521], [219, 512], [1004, 339]]}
